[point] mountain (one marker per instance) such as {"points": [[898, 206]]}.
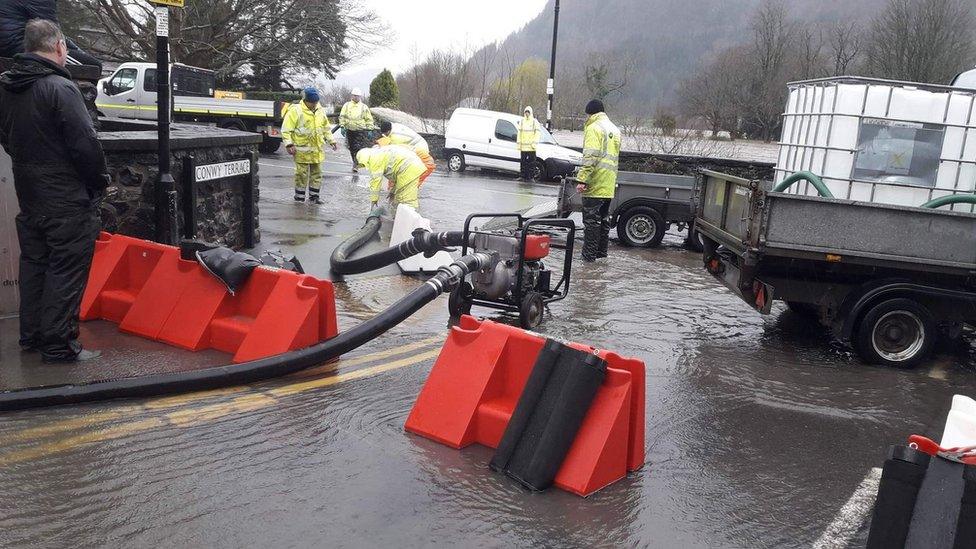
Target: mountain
{"points": [[667, 39]]}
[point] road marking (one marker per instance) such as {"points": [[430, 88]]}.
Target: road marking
{"points": [[90, 420], [193, 416], [852, 515], [110, 433], [295, 388]]}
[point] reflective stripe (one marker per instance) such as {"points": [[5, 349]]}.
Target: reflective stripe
{"points": [[129, 107]]}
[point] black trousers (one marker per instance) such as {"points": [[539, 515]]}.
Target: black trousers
{"points": [[596, 227], [528, 158], [357, 140], [55, 255]]}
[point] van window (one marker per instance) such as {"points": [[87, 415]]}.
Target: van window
{"points": [[149, 82], [505, 131], [123, 81]]}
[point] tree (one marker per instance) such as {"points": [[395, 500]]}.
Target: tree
{"points": [[266, 40], [525, 86], [845, 46], [772, 40], [435, 84], [715, 92], [383, 91], [921, 40], [606, 75]]}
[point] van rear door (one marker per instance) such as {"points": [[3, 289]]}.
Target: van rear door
{"points": [[469, 133], [503, 146]]}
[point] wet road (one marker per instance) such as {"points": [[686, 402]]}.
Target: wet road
{"points": [[759, 430]]}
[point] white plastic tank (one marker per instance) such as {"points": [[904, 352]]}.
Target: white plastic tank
{"points": [[9, 250], [881, 141]]}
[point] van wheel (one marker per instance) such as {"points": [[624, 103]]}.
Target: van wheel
{"points": [[641, 227], [455, 162], [897, 332], [538, 171]]}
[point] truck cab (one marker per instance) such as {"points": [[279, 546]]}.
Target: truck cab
{"points": [[130, 92]]}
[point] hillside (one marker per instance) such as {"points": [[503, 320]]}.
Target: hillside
{"points": [[667, 38]]}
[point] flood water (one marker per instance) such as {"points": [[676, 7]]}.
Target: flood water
{"points": [[758, 428]]}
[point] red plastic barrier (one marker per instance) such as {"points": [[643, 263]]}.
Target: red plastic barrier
{"points": [[477, 381], [149, 291]]}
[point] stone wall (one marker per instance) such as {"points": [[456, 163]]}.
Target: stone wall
{"points": [[659, 163], [129, 206]]}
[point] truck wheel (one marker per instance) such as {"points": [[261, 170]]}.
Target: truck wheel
{"points": [[269, 145], [898, 332], [455, 162], [694, 240], [232, 125], [531, 310], [538, 171], [641, 227]]}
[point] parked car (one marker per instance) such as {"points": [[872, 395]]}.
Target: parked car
{"points": [[488, 139]]}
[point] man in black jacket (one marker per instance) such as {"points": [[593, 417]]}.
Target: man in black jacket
{"points": [[14, 15], [60, 176]]}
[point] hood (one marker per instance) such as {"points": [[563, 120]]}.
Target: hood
{"points": [[551, 150], [531, 113], [29, 68], [363, 156]]}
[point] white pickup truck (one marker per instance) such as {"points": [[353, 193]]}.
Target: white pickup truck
{"points": [[130, 92]]}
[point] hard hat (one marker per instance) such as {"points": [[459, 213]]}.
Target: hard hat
{"points": [[310, 94], [362, 157], [357, 91]]}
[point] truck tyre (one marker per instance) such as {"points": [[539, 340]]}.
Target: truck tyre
{"points": [[232, 124], [269, 145], [694, 240], [539, 172], [641, 227], [455, 162], [532, 308], [898, 332]]}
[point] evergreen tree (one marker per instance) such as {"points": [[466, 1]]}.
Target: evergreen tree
{"points": [[383, 91]]}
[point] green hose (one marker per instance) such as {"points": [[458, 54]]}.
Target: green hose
{"points": [[813, 178], [950, 199]]}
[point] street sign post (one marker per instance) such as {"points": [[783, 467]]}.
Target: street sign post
{"points": [[166, 209]]}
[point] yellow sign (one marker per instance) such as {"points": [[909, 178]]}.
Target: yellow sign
{"points": [[174, 3]]}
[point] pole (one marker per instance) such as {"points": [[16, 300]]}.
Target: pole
{"points": [[551, 84], [166, 222]]}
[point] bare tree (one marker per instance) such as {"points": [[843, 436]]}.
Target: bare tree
{"points": [[436, 84], [921, 40], [715, 92], [844, 39], [483, 66], [231, 36], [772, 42], [809, 55]]}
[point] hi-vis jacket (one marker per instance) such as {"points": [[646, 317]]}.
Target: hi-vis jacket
{"points": [[398, 163], [601, 151], [356, 116], [528, 132], [308, 130], [399, 137]]}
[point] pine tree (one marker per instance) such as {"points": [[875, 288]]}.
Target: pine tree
{"points": [[383, 91]]}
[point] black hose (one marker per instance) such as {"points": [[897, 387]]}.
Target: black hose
{"points": [[255, 370], [424, 242]]}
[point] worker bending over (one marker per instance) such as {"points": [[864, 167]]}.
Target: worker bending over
{"points": [[305, 130], [356, 121], [528, 137], [598, 179], [401, 135], [401, 166]]}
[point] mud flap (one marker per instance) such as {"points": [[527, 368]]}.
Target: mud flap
{"points": [[557, 396]]}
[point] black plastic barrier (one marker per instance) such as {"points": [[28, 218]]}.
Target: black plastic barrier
{"points": [[901, 479], [549, 413]]}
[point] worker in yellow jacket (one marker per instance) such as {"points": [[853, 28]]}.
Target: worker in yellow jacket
{"points": [[356, 121], [528, 138], [304, 131], [401, 135], [401, 166], [598, 179]]}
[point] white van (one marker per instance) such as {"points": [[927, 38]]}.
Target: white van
{"points": [[488, 139]]}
